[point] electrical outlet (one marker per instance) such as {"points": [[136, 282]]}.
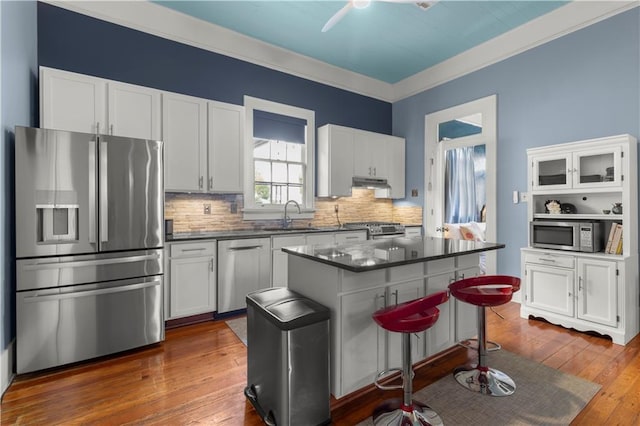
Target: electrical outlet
{"points": [[414, 192], [234, 208], [207, 209], [336, 208], [524, 197]]}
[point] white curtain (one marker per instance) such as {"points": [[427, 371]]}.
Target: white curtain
{"points": [[460, 186]]}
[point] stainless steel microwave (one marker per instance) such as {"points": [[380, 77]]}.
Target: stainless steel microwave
{"points": [[567, 235]]}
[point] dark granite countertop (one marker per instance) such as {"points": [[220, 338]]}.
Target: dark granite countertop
{"points": [[378, 254], [249, 233]]}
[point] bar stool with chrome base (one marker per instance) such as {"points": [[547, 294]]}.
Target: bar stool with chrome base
{"points": [[483, 291], [410, 317]]}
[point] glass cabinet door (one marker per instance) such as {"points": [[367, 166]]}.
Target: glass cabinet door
{"points": [[551, 171], [595, 168]]}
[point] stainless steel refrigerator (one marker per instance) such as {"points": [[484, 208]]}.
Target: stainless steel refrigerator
{"points": [[89, 238]]}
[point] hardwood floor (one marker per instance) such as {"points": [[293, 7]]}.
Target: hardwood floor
{"points": [[197, 376]]}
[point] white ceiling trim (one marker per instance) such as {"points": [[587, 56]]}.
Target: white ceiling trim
{"points": [[562, 21], [164, 22]]}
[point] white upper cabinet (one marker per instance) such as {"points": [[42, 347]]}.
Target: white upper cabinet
{"points": [[335, 161], [395, 165], [226, 133], [369, 154], [202, 139], [134, 111], [203, 144], [184, 132], [587, 168], [80, 103], [344, 152], [73, 102]]}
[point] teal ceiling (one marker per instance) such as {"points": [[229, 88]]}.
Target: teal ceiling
{"points": [[388, 41]]}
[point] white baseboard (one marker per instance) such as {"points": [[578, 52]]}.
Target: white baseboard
{"points": [[6, 367]]}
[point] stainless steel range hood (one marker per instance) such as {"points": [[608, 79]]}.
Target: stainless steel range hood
{"points": [[380, 185], [369, 182]]}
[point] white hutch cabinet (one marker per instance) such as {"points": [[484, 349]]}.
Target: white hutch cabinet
{"points": [[586, 291]]}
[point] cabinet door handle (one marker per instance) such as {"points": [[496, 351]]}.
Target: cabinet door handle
{"points": [[375, 172], [111, 129], [579, 283], [211, 183], [211, 264], [97, 128], [395, 293], [384, 300], [200, 182]]}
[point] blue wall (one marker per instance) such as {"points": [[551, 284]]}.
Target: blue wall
{"points": [[581, 86], [74, 42], [17, 106]]}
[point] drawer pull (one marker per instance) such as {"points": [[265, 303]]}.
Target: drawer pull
{"points": [[542, 259], [194, 249]]}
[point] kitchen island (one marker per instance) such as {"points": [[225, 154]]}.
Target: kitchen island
{"points": [[355, 280]]}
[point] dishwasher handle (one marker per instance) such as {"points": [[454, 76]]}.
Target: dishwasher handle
{"points": [[242, 248]]}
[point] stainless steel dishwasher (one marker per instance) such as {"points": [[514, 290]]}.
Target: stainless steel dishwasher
{"points": [[244, 266]]}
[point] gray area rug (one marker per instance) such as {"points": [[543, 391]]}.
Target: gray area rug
{"points": [[543, 396], [239, 327]]}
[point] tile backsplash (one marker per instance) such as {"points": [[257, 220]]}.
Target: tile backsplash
{"points": [[187, 211]]}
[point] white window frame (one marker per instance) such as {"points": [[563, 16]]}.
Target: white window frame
{"points": [[253, 211]]}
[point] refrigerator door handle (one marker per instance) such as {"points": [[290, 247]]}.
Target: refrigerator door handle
{"points": [[36, 265], [74, 295], [104, 193], [92, 192]]}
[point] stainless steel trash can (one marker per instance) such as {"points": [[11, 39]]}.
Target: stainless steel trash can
{"points": [[288, 358]]}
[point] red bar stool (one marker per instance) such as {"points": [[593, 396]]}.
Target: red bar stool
{"points": [[483, 291], [410, 317]]}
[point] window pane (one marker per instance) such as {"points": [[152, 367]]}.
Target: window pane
{"points": [[278, 150], [296, 173], [295, 193], [461, 127], [262, 171], [279, 172], [279, 194], [260, 148], [262, 194], [294, 152]]}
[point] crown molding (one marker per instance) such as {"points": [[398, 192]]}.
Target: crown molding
{"points": [[164, 22]]}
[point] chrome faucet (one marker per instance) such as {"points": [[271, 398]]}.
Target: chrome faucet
{"points": [[287, 220]]}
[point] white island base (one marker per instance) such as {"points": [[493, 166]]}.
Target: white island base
{"points": [[359, 348]]}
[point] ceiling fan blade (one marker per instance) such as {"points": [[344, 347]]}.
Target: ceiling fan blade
{"points": [[338, 16]]}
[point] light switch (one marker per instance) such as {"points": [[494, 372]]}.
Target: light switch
{"points": [[516, 197]]}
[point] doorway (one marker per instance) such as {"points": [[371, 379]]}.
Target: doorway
{"points": [[460, 174]]}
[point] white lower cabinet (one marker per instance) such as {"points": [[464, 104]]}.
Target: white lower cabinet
{"points": [[597, 292], [362, 338], [359, 347], [279, 258], [396, 294], [585, 292], [192, 288], [466, 314]]}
